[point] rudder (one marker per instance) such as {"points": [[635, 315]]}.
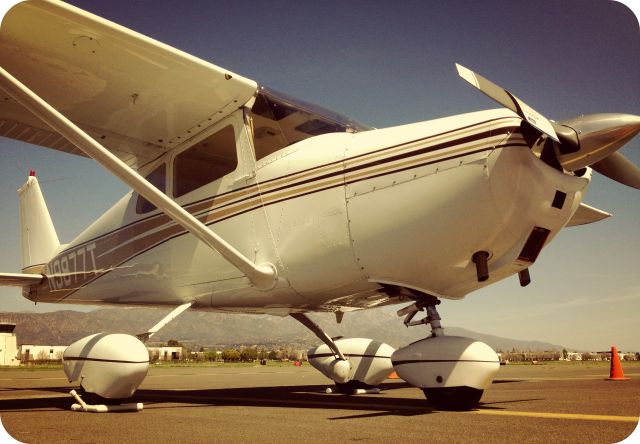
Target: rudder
{"points": [[39, 238]]}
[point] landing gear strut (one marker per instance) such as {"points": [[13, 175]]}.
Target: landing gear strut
{"points": [[452, 371], [356, 365], [428, 304]]}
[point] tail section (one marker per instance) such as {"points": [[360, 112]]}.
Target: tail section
{"points": [[39, 239]]}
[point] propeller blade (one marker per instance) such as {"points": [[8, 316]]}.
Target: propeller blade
{"points": [[588, 140], [598, 136], [508, 100], [617, 167]]}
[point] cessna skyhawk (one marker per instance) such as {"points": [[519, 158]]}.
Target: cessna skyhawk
{"points": [[246, 200]]}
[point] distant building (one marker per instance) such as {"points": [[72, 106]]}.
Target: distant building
{"points": [[165, 353], [8, 344], [31, 352]]}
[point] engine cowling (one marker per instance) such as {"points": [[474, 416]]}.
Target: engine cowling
{"points": [[369, 361], [447, 361], [110, 365]]}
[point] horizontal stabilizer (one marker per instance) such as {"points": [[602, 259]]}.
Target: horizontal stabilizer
{"points": [[19, 279], [508, 100], [586, 214]]}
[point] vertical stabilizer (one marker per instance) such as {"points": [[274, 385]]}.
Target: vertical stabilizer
{"points": [[39, 238]]}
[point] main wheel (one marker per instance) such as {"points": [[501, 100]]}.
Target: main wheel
{"points": [[93, 399], [453, 398], [348, 388]]}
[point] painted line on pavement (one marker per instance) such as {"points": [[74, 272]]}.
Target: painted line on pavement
{"points": [[573, 416]]}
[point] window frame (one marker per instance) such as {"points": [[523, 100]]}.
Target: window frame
{"points": [[140, 208], [237, 125]]}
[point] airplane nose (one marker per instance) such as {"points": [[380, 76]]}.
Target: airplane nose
{"points": [[594, 137]]}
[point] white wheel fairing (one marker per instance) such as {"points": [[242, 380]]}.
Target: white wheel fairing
{"points": [[368, 361], [109, 365], [447, 361]]}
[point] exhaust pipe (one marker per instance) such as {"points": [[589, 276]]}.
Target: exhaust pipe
{"points": [[481, 258]]}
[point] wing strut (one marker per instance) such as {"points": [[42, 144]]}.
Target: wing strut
{"points": [[144, 337], [315, 328], [263, 276]]}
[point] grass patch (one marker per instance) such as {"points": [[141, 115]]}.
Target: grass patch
{"points": [[163, 364]]}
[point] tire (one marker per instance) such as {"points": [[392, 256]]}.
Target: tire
{"points": [[453, 398], [349, 387], [93, 399]]}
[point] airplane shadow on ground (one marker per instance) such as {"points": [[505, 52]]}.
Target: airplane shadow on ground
{"points": [[309, 396]]}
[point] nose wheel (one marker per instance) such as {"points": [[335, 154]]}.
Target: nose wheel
{"points": [[453, 398], [451, 371]]}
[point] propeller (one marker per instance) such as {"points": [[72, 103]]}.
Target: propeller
{"points": [[617, 167], [588, 140], [595, 141]]}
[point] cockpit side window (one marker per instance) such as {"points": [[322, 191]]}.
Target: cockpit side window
{"points": [[206, 161], [157, 178], [279, 121]]}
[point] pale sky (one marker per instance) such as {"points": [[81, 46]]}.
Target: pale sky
{"points": [[388, 63]]}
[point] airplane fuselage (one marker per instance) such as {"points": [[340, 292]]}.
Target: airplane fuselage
{"points": [[342, 216]]}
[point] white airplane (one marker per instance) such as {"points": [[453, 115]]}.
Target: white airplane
{"points": [[246, 200]]}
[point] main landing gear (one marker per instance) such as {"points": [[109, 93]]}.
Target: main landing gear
{"points": [[452, 371], [356, 365]]}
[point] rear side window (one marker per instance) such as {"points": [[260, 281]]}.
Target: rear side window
{"points": [[205, 162], [157, 178]]}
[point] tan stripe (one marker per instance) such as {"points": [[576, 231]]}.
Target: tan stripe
{"points": [[572, 416], [111, 241], [118, 254], [430, 142], [385, 152], [265, 187], [118, 247], [415, 160], [305, 189]]}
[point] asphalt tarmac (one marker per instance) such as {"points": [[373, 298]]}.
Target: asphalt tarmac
{"points": [[555, 402]]}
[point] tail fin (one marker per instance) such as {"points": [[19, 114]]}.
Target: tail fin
{"points": [[39, 239]]}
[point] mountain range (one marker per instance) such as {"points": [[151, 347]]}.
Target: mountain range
{"points": [[222, 329]]}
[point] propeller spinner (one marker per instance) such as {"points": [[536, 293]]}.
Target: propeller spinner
{"points": [[592, 140]]}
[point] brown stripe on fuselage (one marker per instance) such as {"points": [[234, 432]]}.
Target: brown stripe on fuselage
{"points": [[120, 248], [135, 228], [409, 146], [399, 164]]}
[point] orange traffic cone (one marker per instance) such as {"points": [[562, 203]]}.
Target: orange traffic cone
{"points": [[616, 373], [393, 375]]}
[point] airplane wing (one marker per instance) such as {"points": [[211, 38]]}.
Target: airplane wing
{"points": [[140, 98], [122, 98]]}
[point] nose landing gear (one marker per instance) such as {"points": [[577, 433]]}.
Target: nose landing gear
{"points": [[452, 371]]}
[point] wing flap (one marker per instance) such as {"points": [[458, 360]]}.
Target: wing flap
{"points": [[138, 96]]}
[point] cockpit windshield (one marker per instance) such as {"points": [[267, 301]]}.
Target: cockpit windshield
{"points": [[280, 121]]}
